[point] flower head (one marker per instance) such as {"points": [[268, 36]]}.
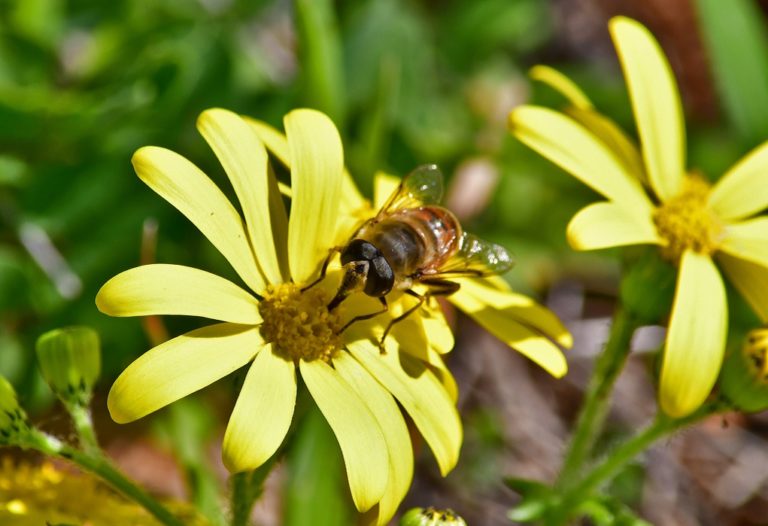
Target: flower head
{"points": [[281, 325], [654, 199]]}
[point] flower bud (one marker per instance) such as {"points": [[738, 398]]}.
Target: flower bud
{"points": [[744, 378], [431, 517], [70, 360], [13, 419]]}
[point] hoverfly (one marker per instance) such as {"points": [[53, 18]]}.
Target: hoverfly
{"points": [[410, 241]]}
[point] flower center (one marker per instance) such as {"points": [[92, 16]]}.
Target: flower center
{"points": [[299, 324], [686, 222]]}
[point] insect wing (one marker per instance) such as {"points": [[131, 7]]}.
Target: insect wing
{"points": [[477, 257], [422, 186]]}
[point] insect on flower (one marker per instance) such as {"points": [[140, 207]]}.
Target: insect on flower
{"points": [[411, 241]]}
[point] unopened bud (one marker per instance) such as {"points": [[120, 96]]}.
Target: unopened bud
{"points": [[70, 360], [13, 419], [431, 517], [744, 378]]}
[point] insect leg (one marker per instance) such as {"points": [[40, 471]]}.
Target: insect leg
{"points": [[362, 317], [403, 316], [324, 268]]}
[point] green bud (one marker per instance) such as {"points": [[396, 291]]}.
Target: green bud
{"points": [[744, 377], [13, 419], [648, 285], [431, 517], [70, 360]]}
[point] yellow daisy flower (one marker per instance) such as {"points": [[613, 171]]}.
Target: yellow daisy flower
{"points": [[653, 199], [280, 328], [31, 495]]}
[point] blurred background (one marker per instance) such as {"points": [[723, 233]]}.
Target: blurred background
{"points": [[84, 83]]}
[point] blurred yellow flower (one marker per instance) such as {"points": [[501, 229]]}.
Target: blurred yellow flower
{"points": [[31, 495], [653, 199], [281, 328]]}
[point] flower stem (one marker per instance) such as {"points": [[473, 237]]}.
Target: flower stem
{"points": [[100, 466], [247, 487], [81, 418], [623, 454], [595, 405]]}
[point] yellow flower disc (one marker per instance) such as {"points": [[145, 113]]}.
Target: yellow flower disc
{"points": [[686, 222], [299, 323]]}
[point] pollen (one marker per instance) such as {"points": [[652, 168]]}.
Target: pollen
{"points": [[299, 323], [685, 221]]}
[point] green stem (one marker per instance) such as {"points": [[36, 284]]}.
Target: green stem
{"points": [[622, 455], [241, 504], [247, 487], [83, 422], [595, 405], [100, 466]]}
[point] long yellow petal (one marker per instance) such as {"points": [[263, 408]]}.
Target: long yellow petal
{"points": [[421, 395], [262, 413], [362, 442], [656, 104], [696, 336], [181, 366], [317, 162], [743, 190], [175, 289], [392, 424], [576, 150], [183, 185], [503, 323], [436, 327], [750, 279], [518, 307], [623, 147], [244, 159], [562, 84], [606, 224], [277, 144], [748, 240]]}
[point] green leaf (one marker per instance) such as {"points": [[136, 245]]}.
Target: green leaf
{"points": [[735, 37]]}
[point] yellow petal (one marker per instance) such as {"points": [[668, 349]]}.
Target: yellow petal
{"points": [[503, 323], [656, 104], [316, 170], [604, 225], [696, 336], [392, 424], [175, 289], [437, 364], [748, 240], [751, 280], [244, 159], [277, 144], [437, 329], [181, 366], [576, 150], [421, 395], [262, 413], [743, 190], [357, 430], [562, 85], [384, 185], [183, 185], [479, 293], [622, 146]]}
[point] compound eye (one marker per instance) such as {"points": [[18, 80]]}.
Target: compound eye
{"points": [[358, 250], [380, 278]]}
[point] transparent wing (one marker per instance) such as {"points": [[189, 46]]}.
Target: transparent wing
{"points": [[477, 257], [422, 186]]}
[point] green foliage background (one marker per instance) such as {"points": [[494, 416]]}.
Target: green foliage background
{"points": [[84, 83]]}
